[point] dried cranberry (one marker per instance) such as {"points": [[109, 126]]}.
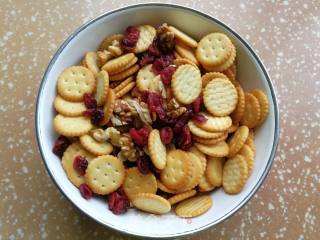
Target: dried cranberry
{"points": [[154, 49], [139, 136], [145, 59], [118, 202], [144, 96], [89, 101], [143, 164], [80, 164], [130, 39], [85, 191], [166, 135], [60, 145], [96, 115], [155, 104], [166, 74], [197, 104], [200, 118], [160, 63], [183, 120], [129, 164], [184, 140]]}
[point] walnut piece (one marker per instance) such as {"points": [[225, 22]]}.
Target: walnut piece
{"points": [[113, 135], [104, 56], [165, 38], [174, 109], [124, 111], [128, 149]]}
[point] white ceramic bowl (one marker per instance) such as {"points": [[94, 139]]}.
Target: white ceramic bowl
{"points": [[252, 74]]}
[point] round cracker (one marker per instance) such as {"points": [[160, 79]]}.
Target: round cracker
{"points": [[214, 49], [186, 52], [151, 203], [74, 82], [125, 90], [67, 108], [102, 87], [136, 182], [186, 83], [91, 61], [194, 207], [157, 150], [252, 112], [235, 174], [108, 107], [119, 64], [201, 157], [237, 140], [177, 169], [199, 132], [126, 73], [214, 171], [263, 103], [182, 196], [238, 112], [220, 97], [74, 150], [105, 174], [214, 124], [248, 155], [146, 37], [72, 126], [165, 189], [211, 141], [182, 61], [186, 39], [204, 185], [220, 149], [196, 170], [145, 78], [95, 147]]}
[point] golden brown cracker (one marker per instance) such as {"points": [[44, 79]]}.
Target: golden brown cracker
{"points": [[252, 112], [108, 107], [105, 174], [194, 206], [102, 87], [94, 147], [72, 126], [237, 140], [67, 108], [220, 149], [151, 203], [181, 196]]}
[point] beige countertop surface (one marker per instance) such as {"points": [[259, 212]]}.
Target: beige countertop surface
{"points": [[285, 34]]}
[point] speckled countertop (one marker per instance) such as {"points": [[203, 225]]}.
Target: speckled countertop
{"points": [[286, 35]]}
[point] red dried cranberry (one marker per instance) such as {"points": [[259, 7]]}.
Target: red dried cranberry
{"points": [[80, 164], [197, 104], [89, 101], [144, 96], [130, 39], [145, 59], [85, 191], [166, 74], [154, 49], [143, 164], [96, 115], [200, 118], [60, 145], [183, 120], [184, 140], [139, 136], [166, 135], [160, 63], [118, 202], [155, 104]]}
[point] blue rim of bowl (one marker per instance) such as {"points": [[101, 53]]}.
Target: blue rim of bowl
{"points": [[247, 45]]}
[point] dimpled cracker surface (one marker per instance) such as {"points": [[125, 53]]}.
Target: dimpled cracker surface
{"points": [[214, 49], [220, 97], [186, 83], [72, 126], [105, 174], [74, 82], [74, 150]]}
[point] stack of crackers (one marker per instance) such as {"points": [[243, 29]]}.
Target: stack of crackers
{"points": [[222, 150]]}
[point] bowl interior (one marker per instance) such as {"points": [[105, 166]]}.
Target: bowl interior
{"points": [[251, 75]]}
